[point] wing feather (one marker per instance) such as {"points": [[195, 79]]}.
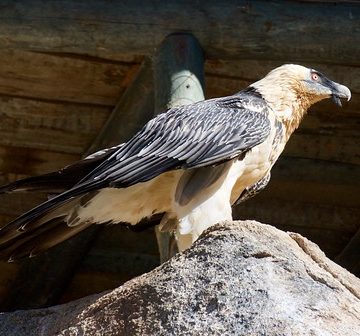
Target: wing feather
{"points": [[207, 133]]}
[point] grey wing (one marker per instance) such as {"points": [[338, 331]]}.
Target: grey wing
{"points": [[202, 134], [102, 153], [195, 180]]}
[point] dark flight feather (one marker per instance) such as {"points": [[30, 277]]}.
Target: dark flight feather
{"points": [[61, 180]]}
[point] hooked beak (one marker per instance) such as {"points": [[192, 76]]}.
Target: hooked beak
{"points": [[339, 91]]}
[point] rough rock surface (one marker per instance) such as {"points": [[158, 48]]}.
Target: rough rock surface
{"points": [[240, 278]]}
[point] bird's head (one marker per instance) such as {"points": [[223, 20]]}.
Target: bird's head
{"points": [[291, 89]]}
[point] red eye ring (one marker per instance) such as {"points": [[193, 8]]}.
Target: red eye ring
{"points": [[314, 76]]}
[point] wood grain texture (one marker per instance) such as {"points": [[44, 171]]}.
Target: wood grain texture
{"points": [[234, 29], [27, 161], [298, 214], [318, 171], [53, 77], [324, 147], [310, 192], [7, 275], [50, 126], [13, 205]]}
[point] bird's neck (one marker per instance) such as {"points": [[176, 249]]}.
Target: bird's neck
{"points": [[284, 99], [298, 107]]}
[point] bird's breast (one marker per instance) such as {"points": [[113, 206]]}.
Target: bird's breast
{"points": [[256, 164]]}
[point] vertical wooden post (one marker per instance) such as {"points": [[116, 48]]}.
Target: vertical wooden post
{"points": [[178, 80]]}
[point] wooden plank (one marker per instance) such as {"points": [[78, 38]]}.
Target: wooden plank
{"points": [[18, 113], [234, 29], [312, 192], [323, 147], [317, 171], [61, 78], [28, 161], [4, 219], [179, 80], [55, 268], [327, 123], [297, 214], [52, 126], [89, 282]]}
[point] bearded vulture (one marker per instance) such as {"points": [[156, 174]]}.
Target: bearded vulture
{"points": [[189, 164]]}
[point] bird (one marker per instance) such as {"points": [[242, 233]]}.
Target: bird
{"points": [[188, 165]]}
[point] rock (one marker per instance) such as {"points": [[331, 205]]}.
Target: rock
{"points": [[239, 278]]}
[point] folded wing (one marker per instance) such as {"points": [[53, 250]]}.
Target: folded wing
{"points": [[188, 137]]}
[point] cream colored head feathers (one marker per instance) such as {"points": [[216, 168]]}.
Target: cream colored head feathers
{"points": [[291, 89]]}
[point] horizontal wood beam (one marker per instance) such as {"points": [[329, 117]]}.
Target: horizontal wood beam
{"points": [[29, 161], [282, 30], [297, 214], [323, 147], [58, 77]]}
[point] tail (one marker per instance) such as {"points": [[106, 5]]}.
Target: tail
{"points": [[57, 219], [46, 225], [39, 240], [62, 180]]}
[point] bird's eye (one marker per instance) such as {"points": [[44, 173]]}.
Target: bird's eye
{"points": [[314, 76]]}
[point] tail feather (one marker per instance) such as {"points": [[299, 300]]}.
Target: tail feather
{"points": [[56, 219], [52, 183], [62, 180], [45, 237], [59, 206], [7, 248]]}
